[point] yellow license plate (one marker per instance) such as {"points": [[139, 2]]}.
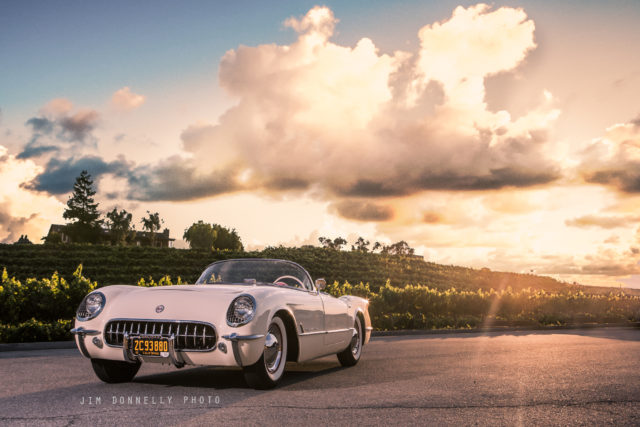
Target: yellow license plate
{"points": [[149, 346]]}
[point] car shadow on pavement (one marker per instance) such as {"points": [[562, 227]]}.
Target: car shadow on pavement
{"points": [[201, 377], [226, 378]]}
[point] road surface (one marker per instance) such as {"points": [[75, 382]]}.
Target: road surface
{"points": [[517, 378]]}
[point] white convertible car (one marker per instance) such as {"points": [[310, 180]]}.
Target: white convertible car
{"points": [[252, 313]]}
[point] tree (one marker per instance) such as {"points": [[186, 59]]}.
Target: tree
{"points": [[82, 211], [200, 235], [401, 248], [119, 224], [227, 239], [23, 240], [152, 224], [335, 244], [398, 248], [361, 245]]}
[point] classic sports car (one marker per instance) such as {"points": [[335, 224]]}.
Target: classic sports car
{"points": [[252, 313]]}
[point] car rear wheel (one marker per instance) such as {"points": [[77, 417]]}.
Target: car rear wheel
{"points": [[268, 370], [113, 371], [351, 354]]}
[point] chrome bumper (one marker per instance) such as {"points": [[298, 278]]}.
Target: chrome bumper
{"points": [[81, 333], [236, 339]]}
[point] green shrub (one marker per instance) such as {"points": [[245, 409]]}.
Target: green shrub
{"points": [[45, 299], [53, 302], [34, 330]]}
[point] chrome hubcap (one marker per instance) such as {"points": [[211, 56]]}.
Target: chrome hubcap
{"points": [[273, 348], [355, 340]]}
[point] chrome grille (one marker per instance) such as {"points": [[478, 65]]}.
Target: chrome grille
{"points": [[189, 335]]}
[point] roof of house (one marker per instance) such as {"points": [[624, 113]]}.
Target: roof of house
{"points": [[59, 228]]}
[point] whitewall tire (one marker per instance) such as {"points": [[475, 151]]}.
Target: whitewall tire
{"points": [[268, 370], [350, 355]]}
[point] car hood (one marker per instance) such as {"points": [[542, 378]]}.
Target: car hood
{"points": [[172, 302]]}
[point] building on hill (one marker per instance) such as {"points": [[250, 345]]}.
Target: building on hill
{"points": [[57, 234]]}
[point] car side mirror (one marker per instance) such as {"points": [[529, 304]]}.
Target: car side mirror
{"points": [[321, 284]]}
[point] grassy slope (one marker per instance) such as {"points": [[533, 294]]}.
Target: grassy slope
{"points": [[109, 265]]}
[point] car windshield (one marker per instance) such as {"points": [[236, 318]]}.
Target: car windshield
{"points": [[250, 271]]}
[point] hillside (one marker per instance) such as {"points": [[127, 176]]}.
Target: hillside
{"points": [[118, 264]]}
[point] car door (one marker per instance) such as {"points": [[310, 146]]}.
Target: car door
{"points": [[308, 310], [337, 321]]}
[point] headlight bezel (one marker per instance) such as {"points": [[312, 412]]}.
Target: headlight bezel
{"points": [[233, 318], [82, 308]]}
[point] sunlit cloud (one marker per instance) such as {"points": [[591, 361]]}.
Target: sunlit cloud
{"points": [[17, 214], [124, 99], [348, 122], [614, 159], [603, 221], [351, 122], [362, 211]]}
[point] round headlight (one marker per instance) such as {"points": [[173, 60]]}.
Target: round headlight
{"points": [[91, 306], [241, 310]]}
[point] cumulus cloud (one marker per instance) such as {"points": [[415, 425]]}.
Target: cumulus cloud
{"points": [[124, 99], [431, 217], [613, 239], [58, 175], [175, 179], [350, 122], [363, 211], [35, 149], [614, 159], [77, 127], [347, 122], [58, 127], [606, 222]]}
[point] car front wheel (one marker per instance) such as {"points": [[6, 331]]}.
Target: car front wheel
{"points": [[351, 354], [113, 371], [268, 370]]}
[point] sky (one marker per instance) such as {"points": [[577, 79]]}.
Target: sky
{"points": [[502, 135]]}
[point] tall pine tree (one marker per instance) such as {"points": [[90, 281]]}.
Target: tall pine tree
{"points": [[82, 211]]}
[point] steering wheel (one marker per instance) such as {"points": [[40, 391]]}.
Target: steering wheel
{"points": [[289, 277]]}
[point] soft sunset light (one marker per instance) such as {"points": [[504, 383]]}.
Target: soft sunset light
{"points": [[504, 136]]}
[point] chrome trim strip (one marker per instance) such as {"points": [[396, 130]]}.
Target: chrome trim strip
{"points": [[335, 331], [304, 334], [215, 331]]}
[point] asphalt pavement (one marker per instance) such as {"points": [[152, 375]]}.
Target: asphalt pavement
{"points": [[569, 377]]}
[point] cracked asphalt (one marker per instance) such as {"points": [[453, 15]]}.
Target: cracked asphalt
{"points": [[562, 378]]}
